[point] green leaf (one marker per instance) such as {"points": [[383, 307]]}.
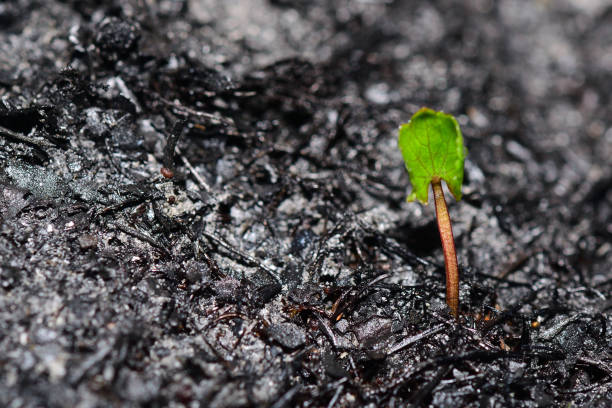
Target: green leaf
{"points": [[433, 150]]}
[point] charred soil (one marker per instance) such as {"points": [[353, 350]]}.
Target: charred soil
{"points": [[202, 204]]}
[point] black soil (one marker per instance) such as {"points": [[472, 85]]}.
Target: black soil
{"points": [[202, 204]]}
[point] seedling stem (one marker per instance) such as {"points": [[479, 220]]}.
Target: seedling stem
{"points": [[448, 246]]}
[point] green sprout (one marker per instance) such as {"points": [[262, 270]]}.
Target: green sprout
{"points": [[432, 147]]}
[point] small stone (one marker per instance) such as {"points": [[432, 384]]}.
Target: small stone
{"points": [[288, 335], [88, 241]]}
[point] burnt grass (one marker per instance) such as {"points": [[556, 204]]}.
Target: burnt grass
{"points": [[202, 204]]}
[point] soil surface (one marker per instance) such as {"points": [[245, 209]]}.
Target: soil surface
{"points": [[202, 203]]}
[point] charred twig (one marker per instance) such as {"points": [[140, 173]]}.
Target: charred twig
{"points": [[328, 330], [143, 237], [244, 332], [482, 356], [483, 343], [338, 308], [103, 350], [286, 398], [504, 280], [332, 402], [169, 149], [603, 366], [222, 360], [588, 290], [553, 331], [20, 137], [193, 171], [231, 315], [214, 268], [370, 184], [130, 202], [425, 390], [322, 252], [410, 340], [245, 258], [201, 250], [582, 390], [127, 93], [184, 110], [117, 167], [309, 308], [487, 356]]}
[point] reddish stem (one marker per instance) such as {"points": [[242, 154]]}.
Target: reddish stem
{"points": [[448, 246]]}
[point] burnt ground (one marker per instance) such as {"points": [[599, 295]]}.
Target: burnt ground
{"points": [[278, 264]]}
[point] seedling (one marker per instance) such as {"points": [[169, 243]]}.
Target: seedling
{"points": [[433, 150]]}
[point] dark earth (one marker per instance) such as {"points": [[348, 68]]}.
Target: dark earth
{"points": [[202, 204]]}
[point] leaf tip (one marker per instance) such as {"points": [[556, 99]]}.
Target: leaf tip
{"points": [[422, 197]]}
